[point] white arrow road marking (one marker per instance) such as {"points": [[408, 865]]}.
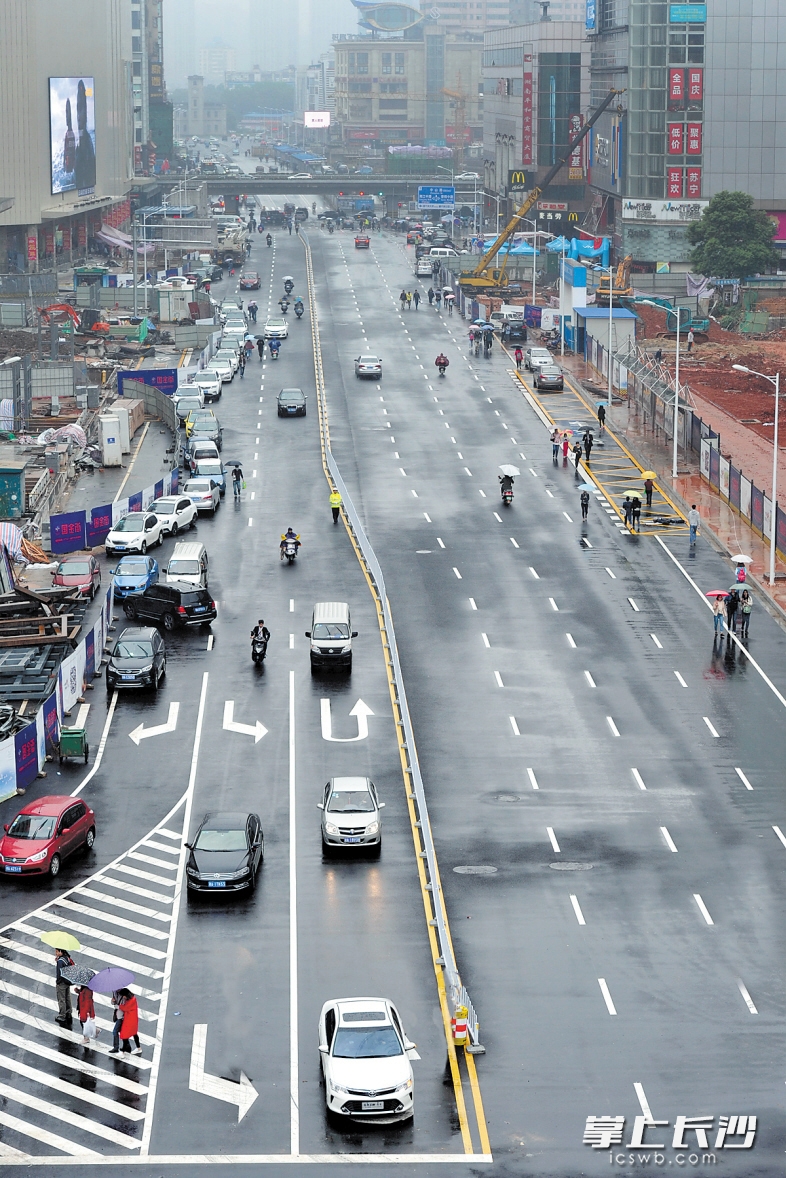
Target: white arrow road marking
{"points": [[243, 1094], [142, 733], [257, 730], [361, 710]]}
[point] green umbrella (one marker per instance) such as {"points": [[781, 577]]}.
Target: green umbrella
{"points": [[60, 940]]}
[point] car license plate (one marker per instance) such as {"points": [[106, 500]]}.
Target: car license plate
{"points": [[126, 677], [216, 883], [368, 1106], [291, 410], [199, 609], [352, 840], [14, 870]]}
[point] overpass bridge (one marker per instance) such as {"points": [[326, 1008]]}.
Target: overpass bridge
{"points": [[398, 187]]}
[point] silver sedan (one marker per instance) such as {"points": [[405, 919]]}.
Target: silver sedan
{"points": [[369, 366]]}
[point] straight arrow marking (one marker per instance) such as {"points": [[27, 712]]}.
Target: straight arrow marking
{"points": [[242, 1094], [361, 710], [142, 733], [257, 730]]}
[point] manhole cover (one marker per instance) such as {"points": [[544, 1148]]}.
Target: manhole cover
{"points": [[571, 866], [507, 798], [475, 870]]}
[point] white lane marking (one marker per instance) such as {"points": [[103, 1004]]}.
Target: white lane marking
{"points": [[291, 605], [142, 733], [743, 989], [657, 641], [606, 996], [742, 778], [708, 722], [361, 711], [498, 678], [553, 605], [514, 542], [484, 636], [257, 729], [553, 839], [734, 637], [680, 679], [440, 542], [567, 517], [415, 494], [780, 834], [427, 517], [585, 542], [294, 1079], [612, 726], [138, 873], [534, 473], [458, 574], [577, 909], [611, 574], [589, 679], [522, 455], [81, 716], [702, 908], [472, 603], [535, 575], [548, 492], [638, 779], [210, 642], [250, 521], [514, 725], [45, 1137], [291, 641], [645, 1107], [243, 1094], [75, 1092], [669, 841], [469, 472], [571, 641], [401, 468], [498, 518], [253, 494], [633, 605], [125, 904], [532, 779], [483, 493], [102, 745]]}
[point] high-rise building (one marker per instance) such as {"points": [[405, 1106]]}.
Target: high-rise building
{"points": [[699, 114], [204, 118], [215, 61], [467, 15]]}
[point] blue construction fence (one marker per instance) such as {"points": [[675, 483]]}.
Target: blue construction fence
{"points": [[88, 528], [23, 755]]}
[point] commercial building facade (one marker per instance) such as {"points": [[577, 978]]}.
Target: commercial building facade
{"points": [[66, 135], [204, 118]]}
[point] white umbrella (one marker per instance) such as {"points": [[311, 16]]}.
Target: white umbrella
{"points": [[511, 470], [741, 558]]}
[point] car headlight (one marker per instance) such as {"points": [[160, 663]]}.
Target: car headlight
{"points": [[37, 858], [237, 874], [191, 871], [144, 670], [346, 649], [372, 828], [405, 1087], [314, 649], [330, 828], [338, 1088]]}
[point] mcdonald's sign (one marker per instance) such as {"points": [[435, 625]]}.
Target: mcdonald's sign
{"points": [[519, 181], [573, 216]]}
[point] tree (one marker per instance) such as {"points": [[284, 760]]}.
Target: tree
{"points": [[732, 239]]}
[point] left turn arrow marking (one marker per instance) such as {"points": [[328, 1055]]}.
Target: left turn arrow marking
{"points": [[142, 733]]}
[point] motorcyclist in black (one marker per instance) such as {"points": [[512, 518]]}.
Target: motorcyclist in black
{"points": [[505, 482], [261, 631], [269, 239]]}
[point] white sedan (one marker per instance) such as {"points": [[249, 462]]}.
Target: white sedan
{"points": [[135, 532], [366, 1060], [230, 355], [369, 366], [174, 512], [276, 328], [209, 384], [222, 369]]}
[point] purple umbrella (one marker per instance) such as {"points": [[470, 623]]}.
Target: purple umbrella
{"points": [[111, 979]]}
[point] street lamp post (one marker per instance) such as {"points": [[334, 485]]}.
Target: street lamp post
{"points": [[776, 382]]}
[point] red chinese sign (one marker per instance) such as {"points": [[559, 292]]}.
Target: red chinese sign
{"points": [[49, 242], [693, 186], [526, 126], [32, 248], [675, 138], [693, 146], [695, 86], [676, 89], [81, 234], [674, 182]]}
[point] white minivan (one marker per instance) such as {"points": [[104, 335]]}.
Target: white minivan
{"points": [[331, 635], [188, 563]]}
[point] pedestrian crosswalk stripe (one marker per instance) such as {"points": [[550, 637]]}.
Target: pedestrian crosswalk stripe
{"points": [[49, 1070]]}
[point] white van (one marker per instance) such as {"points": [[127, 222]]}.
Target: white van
{"points": [[188, 563], [442, 251], [331, 635], [507, 313]]}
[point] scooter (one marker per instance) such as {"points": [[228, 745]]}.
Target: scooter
{"points": [[258, 650], [290, 551], [284, 305], [299, 309], [289, 286], [269, 240], [274, 350], [507, 495]]}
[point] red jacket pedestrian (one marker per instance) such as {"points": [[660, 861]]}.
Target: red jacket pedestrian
{"points": [[130, 1009], [85, 1006]]}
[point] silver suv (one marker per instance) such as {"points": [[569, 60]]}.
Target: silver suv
{"points": [[351, 814]]}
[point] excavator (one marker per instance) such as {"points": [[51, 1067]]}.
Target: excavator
{"points": [[488, 277], [621, 289]]}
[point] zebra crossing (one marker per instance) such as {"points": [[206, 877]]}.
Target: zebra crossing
{"points": [[58, 1097]]}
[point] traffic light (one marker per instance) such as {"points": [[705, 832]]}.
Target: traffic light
{"points": [[380, 194], [361, 193], [341, 194]]}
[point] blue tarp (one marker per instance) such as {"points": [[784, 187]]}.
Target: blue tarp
{"points": [[522, 249], [586, 249]]}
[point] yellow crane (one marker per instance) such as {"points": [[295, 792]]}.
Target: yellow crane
{"points": [[486, 275]]}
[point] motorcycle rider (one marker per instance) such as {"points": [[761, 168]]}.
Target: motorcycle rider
{"points": [[275, 346], [283, 303], [505, 483], [289, 537], [269, 239], [441, 361], [260, 633]]}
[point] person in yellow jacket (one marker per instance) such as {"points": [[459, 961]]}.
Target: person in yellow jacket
{"points": [[335, 505]]}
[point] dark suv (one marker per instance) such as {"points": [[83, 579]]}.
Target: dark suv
{"points": [[171, 605]]}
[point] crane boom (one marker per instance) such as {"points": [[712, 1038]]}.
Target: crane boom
{"points": [[480, 275]]}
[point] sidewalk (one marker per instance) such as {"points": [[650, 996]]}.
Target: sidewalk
{"points": [[731, 532]]}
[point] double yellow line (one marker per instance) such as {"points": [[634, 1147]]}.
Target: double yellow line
{"points": [[455, 1060]]}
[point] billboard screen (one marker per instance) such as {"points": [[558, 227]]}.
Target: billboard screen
{"points": [[316, 118], [72, 134]]}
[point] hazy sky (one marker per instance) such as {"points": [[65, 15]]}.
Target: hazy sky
{"points": [[270, 33]]}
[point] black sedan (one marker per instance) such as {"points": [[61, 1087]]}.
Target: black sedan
{"points": [[225, 853], [138, 660], [291, 403]]}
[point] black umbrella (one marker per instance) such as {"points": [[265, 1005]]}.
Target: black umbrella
{"points": [[233, 462]]}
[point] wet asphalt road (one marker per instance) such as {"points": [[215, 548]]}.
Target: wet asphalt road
{"points": [[536, 654]]}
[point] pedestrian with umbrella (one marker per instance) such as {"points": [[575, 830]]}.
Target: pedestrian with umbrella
{"points": [[649, 487], [746, 605], [577, 455], [636, 513], [741, 573], [565, 446], [86, 1012], [627, 507], [732, 605], [584, 505], [589, 441], [126, 1026], [62, 943], [555, 444], [519, 356]]}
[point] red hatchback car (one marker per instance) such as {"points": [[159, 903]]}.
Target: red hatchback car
{"points": [[44, 833], [79, 572]]}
